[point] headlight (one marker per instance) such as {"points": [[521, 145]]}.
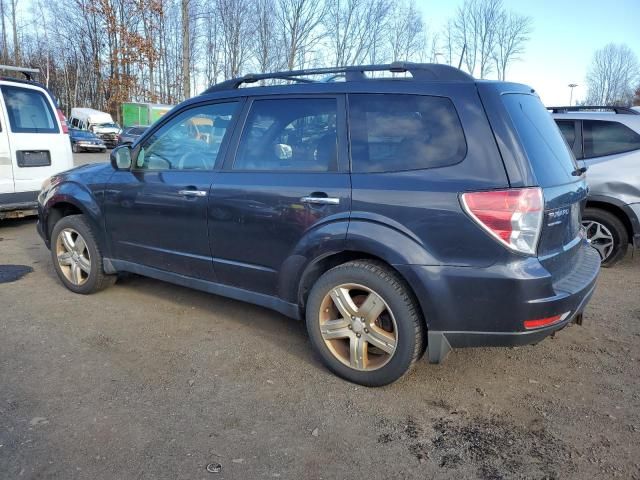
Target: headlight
{"points": [[46, 184]]}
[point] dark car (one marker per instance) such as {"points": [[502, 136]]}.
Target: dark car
{"points": [[130, 134], [394, 215], [85, 141]]}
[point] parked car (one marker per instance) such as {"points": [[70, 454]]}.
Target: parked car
{"points": [[100, 123], [33, 142], [130, 135], [84, 140], [607, 141], [434, 212]]}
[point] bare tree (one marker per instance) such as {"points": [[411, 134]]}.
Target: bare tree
{"points": [[4, 53], [354, 27], [406, 32], [234, 17], [14, 27], [474, 30], [186, 48], [299, 26], [613, 73], [265, 46], [512, 33]]}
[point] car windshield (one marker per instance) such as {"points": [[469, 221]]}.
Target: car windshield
{"points": [[107, 125]]}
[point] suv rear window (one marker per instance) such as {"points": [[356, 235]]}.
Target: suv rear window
{"points": [[29, 110], [551, 160], [404, 132], [607, 138]]}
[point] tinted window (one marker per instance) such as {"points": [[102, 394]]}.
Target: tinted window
{"points": [[188, 141], [289, 134], [568, 130], [607, 138], [404, 132], [551, 160], [136, 131], [29, 110]]}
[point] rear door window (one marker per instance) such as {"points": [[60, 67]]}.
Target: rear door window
{"points": [[551, 160], [602, 137], [290, 134], [403, 132], [29, 110]]}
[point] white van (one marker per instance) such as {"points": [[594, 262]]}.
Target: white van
{"points": [[100, 123], [33, 143]]}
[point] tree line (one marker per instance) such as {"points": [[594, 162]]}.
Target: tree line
{"points": [[100, 53]]}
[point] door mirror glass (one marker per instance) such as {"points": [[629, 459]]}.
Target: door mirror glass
{"points": [[121, 157]]}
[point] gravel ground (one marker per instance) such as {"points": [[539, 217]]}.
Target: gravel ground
{"points": [[148, 380]]}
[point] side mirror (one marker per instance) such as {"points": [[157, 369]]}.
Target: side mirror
{"points": [[121, 157]]}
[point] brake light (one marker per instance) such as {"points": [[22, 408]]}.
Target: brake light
{"points": [[63, 121], [545, 322], [513, 216]]}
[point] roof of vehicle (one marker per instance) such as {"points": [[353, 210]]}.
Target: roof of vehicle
{"points": [[619, 110]]}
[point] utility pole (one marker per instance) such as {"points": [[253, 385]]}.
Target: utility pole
{"points": [[571, 86]]}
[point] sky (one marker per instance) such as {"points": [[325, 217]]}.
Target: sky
{"points": [[566, 33]]}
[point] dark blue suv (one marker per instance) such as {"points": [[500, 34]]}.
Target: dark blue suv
{"points": [[420, 209]]}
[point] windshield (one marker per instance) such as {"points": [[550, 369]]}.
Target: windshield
{"points": [[551, 160], [107, 125]]}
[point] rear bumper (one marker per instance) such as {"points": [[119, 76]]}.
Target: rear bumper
{"points": [[472, 307]]}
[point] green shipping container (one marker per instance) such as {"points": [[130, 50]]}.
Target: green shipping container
{"points": [[142, 113]]}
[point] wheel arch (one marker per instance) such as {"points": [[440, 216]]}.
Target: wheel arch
{"points": [[617, 209], [72, 199]]}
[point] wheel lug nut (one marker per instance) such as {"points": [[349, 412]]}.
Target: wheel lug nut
{"points": [[366, 330], [350, 327], [358, 335]]}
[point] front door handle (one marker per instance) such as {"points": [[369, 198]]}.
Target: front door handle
{"points": [[321, 200], [193, 193]]}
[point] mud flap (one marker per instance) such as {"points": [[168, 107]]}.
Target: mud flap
{"points": [[438, 347]]}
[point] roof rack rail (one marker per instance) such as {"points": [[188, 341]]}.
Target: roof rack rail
{"points": [[419, 71], [580, 108], [27, 72]]}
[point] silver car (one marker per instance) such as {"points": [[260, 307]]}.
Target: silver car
{"points": [[606, 140]]}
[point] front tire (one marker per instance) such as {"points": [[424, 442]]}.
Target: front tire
{"points": [[75, 148], [76, 256], [607, 234], [364, 323]]}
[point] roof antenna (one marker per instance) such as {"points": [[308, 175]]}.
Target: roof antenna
{"points": [[464, 50]]}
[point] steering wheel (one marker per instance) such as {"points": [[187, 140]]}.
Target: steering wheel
{"points": [[194, 160]]}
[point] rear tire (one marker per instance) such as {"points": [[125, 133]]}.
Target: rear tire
{"points": [[364, 323], [76, 256], [607, 234]]}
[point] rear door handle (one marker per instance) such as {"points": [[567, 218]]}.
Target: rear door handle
{"points": [[193, 193], [321, 200]]}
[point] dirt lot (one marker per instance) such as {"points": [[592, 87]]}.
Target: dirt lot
{"points": [[151, 381]]}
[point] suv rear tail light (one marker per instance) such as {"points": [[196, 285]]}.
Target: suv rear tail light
{"points": [[513, 216], [63, 121], [545, 322]]}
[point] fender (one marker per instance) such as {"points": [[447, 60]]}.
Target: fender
{"points": [[80, 197], [323, 240]]}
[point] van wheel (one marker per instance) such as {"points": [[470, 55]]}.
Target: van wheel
{"points": [[75, 148], [364, 323], [76, 256], [607, 234]]}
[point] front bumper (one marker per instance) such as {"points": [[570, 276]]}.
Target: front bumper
{"points": [[472, 307]]}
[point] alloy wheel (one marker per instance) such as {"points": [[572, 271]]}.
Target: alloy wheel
{"points": [[599, 237], [73, 256], [358, 327]]}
